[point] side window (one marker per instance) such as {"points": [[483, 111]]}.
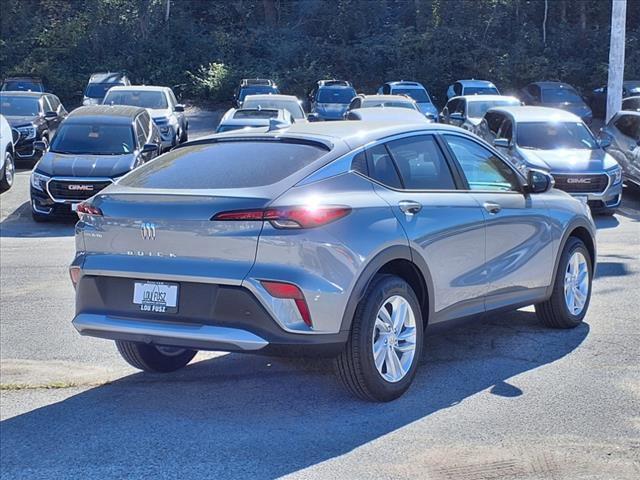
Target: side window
{"points": [[460, 106], [629, 125], [53, 102], [457, 88], [381, 167], [452, 105], [355, 103], [483, 169], [421, 164], [506, 130], [172, 99], [494, 120], [140, 135], [46, 104], [534, 90], [386, 89], [359, 164]]}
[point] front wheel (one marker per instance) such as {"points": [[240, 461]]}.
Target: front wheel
{"points": [[152, 358], [384, 348], [9, 172], [569, 301]]}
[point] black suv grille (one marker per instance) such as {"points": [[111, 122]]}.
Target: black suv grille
{"points": [[75, 190], [581, 183]]}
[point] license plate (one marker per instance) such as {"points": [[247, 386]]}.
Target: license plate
{"points": [[156, 297], [582, 198], [74, 207]]}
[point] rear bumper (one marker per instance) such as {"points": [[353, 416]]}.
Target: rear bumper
{"points": [[210, 317]]}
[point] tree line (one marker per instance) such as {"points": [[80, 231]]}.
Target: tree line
{"points": [[205, 46]]}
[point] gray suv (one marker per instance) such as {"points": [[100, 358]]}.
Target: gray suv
{"points": [[557, 142], [342, 239]]}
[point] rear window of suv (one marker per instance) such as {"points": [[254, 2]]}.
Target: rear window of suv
{"points": [[232, 164]]}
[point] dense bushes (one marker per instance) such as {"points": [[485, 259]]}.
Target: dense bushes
{"points": [[206, 46]]}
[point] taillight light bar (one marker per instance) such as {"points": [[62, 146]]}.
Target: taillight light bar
{"points": [[289, 217], [289, 291]]}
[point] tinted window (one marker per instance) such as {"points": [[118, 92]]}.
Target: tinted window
{"points": [[359, 164], [560, 95], [632, 104], [224, 165], [629, 125], [93, 139], [506, 130], [336, 95], [483, 170], [142, 131], [381, 167], [22, 86], [457, 89], [54, 102], [256, 114], [136, 98], [19, 106], [421, 164], [494, 120], [292, 106], [99, 90], [555, 135]]}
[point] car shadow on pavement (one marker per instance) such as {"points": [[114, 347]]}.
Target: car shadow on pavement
{"points": [[19, 224], [247, 416]]}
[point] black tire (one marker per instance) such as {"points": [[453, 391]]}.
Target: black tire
{"points": [[184, 136], [8, 173], [554, 312], [148, 358], [355, 366]]}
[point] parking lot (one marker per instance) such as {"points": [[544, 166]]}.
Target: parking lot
{"points": [[498, 398]]}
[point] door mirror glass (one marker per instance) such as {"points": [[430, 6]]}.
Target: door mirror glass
{"points": [[502, 142], [456, 116], [149, 147], [179, 108], [539, 181]]}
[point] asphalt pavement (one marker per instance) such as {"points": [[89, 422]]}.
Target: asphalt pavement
{"points": [[499, 398]]}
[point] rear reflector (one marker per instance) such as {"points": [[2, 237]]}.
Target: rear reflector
{"points": [[289, 217], [85, 208], [291, 292]]}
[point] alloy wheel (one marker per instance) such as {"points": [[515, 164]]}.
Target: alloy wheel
{"points": [[394, 339], [576, 283]]}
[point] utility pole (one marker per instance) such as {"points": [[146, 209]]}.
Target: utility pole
{"points": [[616, 57]]}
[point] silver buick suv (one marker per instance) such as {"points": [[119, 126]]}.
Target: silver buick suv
{"points": [[340, 239]]}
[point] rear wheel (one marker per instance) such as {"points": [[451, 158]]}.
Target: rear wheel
{"points": [[569, 301], [382, 354], [8, 174], [152, 358], [184, 136]]}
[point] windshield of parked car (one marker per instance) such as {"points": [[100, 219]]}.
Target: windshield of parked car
{"points": [[560, 95], [477, 109], [292, 106], [418, 94], [388, 103], [481, 91], [221, 165], [19, 106], [93, 139], [555, 135], [136, 98], [632, 103], [257, 90], [99, 90], [21, 86], [336, 95]]}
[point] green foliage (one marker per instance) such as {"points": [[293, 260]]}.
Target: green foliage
{"points": [[207, 46]]}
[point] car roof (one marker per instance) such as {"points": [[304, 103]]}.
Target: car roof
{"points": [[18, 93], [337, 87], [388, 115], [390, 98], [475, 83], [115, 114], [352, 133], [537, 114], [138, 88], [485, 98], [271, 97]]}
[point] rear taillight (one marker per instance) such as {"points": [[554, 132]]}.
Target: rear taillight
{"points": [[74, 273], [289, 217], [85, 208], [289, 291]]}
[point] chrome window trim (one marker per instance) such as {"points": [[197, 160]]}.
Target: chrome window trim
{"points": [[74, 179]]}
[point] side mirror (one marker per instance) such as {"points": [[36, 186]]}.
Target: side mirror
{"points": [[313, 117], [179, 108], [604, 141], [539, 181], [50, 115], [149, 147], [502, 142], [456, 116], [40, 145]]}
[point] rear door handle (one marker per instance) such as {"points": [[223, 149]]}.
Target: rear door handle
{"points": [[410, 207], [492, 208]]}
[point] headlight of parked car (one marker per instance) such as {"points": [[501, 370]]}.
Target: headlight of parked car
{"points": [[616, 176], [27, 132], [38, 181]]}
